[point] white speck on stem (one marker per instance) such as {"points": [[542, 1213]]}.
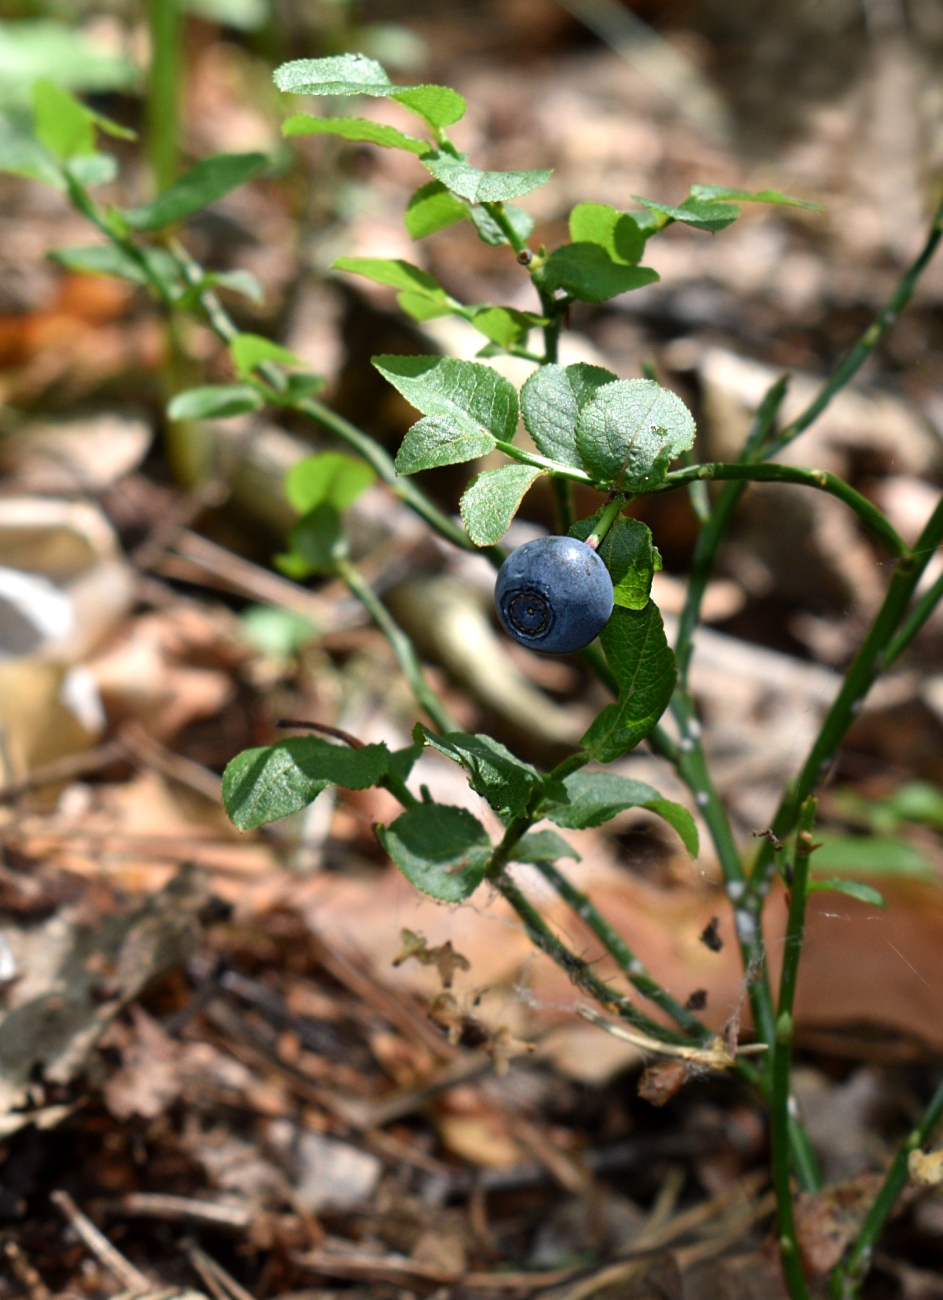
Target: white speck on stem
{"points": [[746, 926], [686, 746], [694, 728], [636, 967], [702, 798], [735, 889]]}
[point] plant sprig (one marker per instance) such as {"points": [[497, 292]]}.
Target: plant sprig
{"points": [[620, 437]]}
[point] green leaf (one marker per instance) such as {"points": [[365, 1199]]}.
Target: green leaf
{"points": [[468, 406], [24, 156], [481, 187], [31, 49], [630, 431], [878, 855], [639, 655], [493, 772], [62, 124], [917, 801], [330, 476], [263, 785], [214, 402], [489, 232], [715, 193], [276, 632], [551, 401], [242, 282], [198, 188], [694, 212], [92, 169], [339, 74], [630, 556], [597, 797], [441, 849], [853, 888], [298, 387], [588, 272], [249, 350], [420, 307], [617, 232], [355, 128], [432, 208], [543, 846], [243, 15], [505, 325], [679, 818], [403, 760], [492, 501], [99, 259], [355, 74], [317, 543], [394, 272], [438, 105]]}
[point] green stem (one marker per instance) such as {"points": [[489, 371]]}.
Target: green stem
{"points": [[563, 503], [865, 667], [362, 443], [616, 946], [497, 214], [552, 467], [580, 972], [163, 91], [867, 343], [782, 1056], [821, 479], [401, 645], [913, 623], [846, 1279], [712, 534], [608, 517]]}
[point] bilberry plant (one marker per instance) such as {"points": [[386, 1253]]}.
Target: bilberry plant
{"points": [[623, 438]]}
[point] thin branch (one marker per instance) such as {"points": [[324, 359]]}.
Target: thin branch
{"points": [[107, 1254], [782, 1056], [866, 344], [865, 668], [327, 730], [712, 534], [824, 481], [616, 946], [401, 645]]}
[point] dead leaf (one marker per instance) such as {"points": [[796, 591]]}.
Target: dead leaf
{"points": [[926, 1167], [662, 1081], [827, 1222], [444, 957], [149, 1079]]}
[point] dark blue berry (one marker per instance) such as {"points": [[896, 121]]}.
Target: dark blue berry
{"points": [[554, 595]]}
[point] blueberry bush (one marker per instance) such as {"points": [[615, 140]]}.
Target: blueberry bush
{"points": [[586, 589]]}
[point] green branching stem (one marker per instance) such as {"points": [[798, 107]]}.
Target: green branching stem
{"points": [[563, 504], [616, 946], [846, 1280], [866, 344], [163, 91], [712, 534], [865, 668], [579, 971], [610, 514], [912, 623], [824, 481], [782, 1056], [371, 451], [400, 643]]}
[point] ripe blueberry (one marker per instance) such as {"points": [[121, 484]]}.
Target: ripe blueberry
{"points": [[554, 595]]}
